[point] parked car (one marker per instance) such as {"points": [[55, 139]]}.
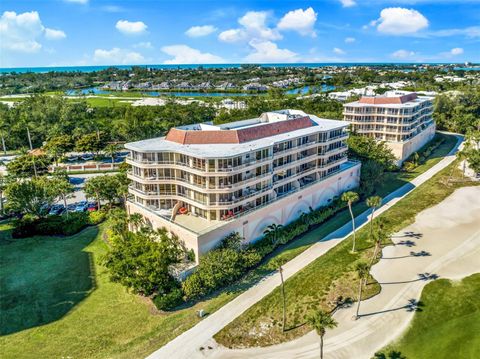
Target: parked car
{"points": [[92, 206], [56, 210], [87, 157], [45, 209], [71, 207], [72, 158], [81, 206]]}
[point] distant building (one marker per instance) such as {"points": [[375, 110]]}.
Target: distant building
{"points": [[204, 181], [401, 119]]}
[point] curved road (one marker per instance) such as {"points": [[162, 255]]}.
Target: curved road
{"points": [[187, 344]]}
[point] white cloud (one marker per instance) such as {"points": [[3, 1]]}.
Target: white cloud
{"points": [[268, 52], [349, 40], [456, 51], [83, 2], [402, 54], [23, 32], [254, 26], [131, 27], [301, 21], [117, 56], [198, 31], [348, 3], [144, 45], [400, 21], [52, 34], [183, 54], [338, 51], [470, 32], [232, 35]]}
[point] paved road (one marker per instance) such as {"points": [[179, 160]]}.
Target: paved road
{"points": [[187, 344]]}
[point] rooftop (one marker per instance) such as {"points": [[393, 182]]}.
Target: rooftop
{"points": [[238, 137], [393, 99]]}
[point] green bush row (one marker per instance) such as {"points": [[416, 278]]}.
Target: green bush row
{"points": [[65, 225], [226, 264]]}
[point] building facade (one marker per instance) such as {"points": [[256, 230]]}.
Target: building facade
{"points": [[203, 182], [403, 120]]}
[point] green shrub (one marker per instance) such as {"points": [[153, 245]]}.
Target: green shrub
{"points": [[170, 300], [96, 217]]}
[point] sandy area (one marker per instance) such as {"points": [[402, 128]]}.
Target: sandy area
{"points": [[444, 242]]}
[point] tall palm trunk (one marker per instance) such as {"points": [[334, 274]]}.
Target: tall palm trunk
{"points": [[353, 225], [321, 346], [371, 222], [65, 203], [283, 299], [98, 201], [375, 251]]}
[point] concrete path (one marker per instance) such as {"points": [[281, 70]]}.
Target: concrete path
{"points": [[444, 242], [187, 345]]}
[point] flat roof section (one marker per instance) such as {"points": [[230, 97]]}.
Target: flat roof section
{"points": [[236, 148]]}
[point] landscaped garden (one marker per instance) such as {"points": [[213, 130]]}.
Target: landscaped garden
{"points": [[96, 318], [331, 275], [446, 327]]}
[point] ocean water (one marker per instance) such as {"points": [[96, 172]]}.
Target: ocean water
{"points": [[207, 66]]}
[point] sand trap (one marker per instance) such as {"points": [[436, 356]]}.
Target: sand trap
{"points": [[448, 236]]}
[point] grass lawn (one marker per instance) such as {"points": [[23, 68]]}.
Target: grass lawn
{"points": [[448, 325], [57, 300], [330, 276]]}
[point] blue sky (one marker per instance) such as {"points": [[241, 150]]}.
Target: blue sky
{"points": [[102, 32]]}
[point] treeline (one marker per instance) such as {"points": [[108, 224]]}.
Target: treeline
{"points": [[48, 117], [458, 111]]}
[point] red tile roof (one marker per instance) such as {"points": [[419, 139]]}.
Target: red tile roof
{"points": [[383, 100], [199, 137]]}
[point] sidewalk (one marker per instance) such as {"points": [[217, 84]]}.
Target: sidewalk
{"points": [[187, 344]]}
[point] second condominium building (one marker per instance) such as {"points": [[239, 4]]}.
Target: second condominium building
{"points": [[403, 120], [204, 181]]}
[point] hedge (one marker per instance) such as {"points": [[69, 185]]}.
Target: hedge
{"points": [[64, 225]]}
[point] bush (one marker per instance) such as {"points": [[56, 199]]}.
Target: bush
{"points": [[63, 225], [170, 300]]}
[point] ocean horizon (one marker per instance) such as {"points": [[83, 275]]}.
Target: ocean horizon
{"points": [[44, 69]]}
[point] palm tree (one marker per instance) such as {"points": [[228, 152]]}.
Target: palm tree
{"points": [[362, 269], [136, 220], [321, 321], [373, 202], [272, 232], [111, 150], [351, 197], [3, 185], [380, 236]]}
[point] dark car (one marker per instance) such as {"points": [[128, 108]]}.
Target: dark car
{"points": [[71, 207], [92, 206], [81, 206], [56, 210]]}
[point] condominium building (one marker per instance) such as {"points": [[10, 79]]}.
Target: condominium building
{"points": [[204, 181], [403, 120]]}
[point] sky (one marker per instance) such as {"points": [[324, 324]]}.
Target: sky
{"points": [[128, 32]]}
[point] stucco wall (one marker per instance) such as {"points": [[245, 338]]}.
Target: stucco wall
{"points": [[252, 225], [402, 150]]}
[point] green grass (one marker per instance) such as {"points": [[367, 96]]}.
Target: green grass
{"points": [[448, 325], [60, 302], [57, 301], [329, 276]]}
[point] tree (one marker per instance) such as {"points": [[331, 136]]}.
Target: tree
{"points": [[379, 237], [111, 150], [373, 202], [3, 185], [136, 221], [93, 188], [63, 188], [372, 176], [350, 197], [58, 146], [89, 143], [272, 232], [30, 196], [320, 321], [28, 165], [141, 261], [362, 269]]}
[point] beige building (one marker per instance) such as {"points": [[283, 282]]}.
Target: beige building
{"points": [[403, 120], [203, 181]]}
